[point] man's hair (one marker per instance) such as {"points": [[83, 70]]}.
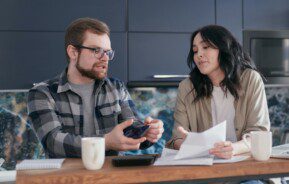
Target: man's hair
{"points": [[233, 60], [75, 33]]}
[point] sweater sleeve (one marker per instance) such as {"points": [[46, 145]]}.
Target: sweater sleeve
{"points": [[257, 115], [181, 114]]}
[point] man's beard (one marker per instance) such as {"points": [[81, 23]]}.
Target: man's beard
{"points": [[90, 73]]}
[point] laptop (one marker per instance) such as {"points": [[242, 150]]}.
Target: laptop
{"points": [[281, 151]]}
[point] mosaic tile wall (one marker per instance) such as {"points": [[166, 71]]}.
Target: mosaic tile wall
{"points": [[156, 102], [160, 103], [278, 103], [17, 138]]}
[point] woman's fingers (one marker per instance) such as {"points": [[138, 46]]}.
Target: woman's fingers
{"points": [[183, 132], [222, 149], [223, 144]]}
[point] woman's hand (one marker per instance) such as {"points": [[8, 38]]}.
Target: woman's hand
{"points": [[223, 150], [179, 141]]}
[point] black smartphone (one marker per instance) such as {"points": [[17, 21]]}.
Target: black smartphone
{"points": [[136, 130], [133, 160]]}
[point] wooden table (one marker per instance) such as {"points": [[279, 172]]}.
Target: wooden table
{"points": [[73, 171]]}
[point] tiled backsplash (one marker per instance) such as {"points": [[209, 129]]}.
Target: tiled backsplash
{"points": [[159, 103], [18, 140], [278, 103]]}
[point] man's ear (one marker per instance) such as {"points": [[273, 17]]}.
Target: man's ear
{"points": [[72, 52]]}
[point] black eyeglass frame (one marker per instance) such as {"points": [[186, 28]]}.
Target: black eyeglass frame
{"points": [[97, 50]]}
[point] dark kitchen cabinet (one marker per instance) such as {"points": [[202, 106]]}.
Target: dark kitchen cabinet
{"points": [[169, 15], [150, 37], [266, 14], [159, 36], [229, 15], [157, 54], [32, 37], [55, 15], [32, 57], [118, 67]]}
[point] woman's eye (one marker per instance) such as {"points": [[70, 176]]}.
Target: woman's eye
{"points": [[205, 47]]}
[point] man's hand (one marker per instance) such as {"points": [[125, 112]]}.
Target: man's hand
{"points": [[223, 150], [115, 140], [155, 131]]}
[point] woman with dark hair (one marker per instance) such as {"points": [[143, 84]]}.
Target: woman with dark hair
{"points": [[223, 85]]}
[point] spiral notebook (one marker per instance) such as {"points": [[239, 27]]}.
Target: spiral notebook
{"points": [[40, 164]]}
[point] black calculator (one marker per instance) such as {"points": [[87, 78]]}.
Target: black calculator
{"points": [[134, 160]]}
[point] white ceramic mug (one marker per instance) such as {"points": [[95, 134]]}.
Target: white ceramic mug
{"points": [[261, 144], [92, 152]]}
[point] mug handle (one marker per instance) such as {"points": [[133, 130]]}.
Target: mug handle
{"points": [[244, 138]]}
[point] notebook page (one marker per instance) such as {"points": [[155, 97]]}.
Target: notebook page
{"points": [[7, 176]]}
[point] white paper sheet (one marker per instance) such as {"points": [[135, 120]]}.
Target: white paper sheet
{"points": [[237, 158], [195, 149], [168, 155], [198, 144], [1, 161]]}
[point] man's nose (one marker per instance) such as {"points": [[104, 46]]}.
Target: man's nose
{"points": [[105, 57]]}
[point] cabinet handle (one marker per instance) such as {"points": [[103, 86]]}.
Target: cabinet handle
{"points": [[286, 73], [169, 76]]}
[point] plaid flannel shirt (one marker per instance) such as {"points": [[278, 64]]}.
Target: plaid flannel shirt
{"points": [[56, 113]]}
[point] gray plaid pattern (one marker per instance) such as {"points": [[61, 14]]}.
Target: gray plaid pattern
{"points": [[56, 113]]}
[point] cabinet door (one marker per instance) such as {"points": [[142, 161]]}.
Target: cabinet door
{"points": [[30, 57], [55, 15], [159, 36], [32, 37], [170, 15], [229, 15], [157, 54], [118, 66], [266, 14]]}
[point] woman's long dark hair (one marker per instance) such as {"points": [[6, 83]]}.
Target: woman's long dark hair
{"points": [[232, 61]]}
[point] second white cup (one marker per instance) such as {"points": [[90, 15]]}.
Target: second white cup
{"points": [[261, 144], [93, 152]]}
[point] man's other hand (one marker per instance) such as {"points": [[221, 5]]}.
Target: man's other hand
{"points": [[155, 131], [115, 140]]}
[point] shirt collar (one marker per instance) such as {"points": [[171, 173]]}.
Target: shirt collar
{"points": [[65, 86]]}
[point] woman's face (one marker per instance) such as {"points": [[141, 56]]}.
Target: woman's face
{"points": [[206, 57]]}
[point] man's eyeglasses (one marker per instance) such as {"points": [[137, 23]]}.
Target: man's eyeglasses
{"points": [[98, 52]]}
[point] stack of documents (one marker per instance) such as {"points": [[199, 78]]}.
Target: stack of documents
{"points": [[195, 149], [281, 151], [40, 164], [168, 158]]}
